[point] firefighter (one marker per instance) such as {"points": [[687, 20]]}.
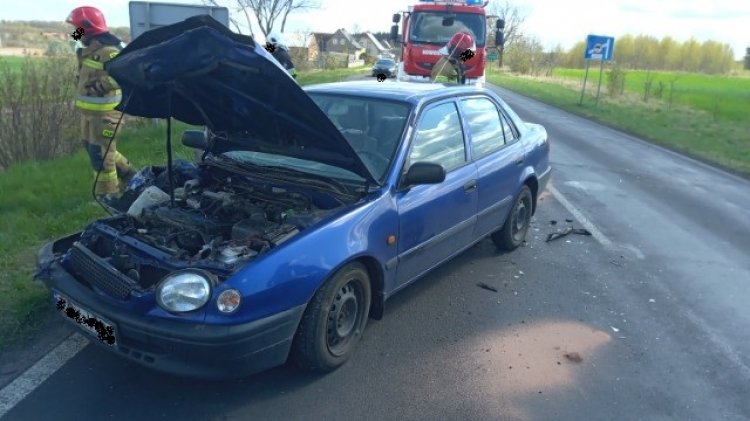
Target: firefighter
{"points": [[280, 52], [451, 64], [97, 95]]}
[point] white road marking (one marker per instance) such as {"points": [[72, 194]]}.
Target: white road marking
{"points": [[24, 384], [601, 238]]}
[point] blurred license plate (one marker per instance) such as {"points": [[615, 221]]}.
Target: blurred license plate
{"points": [[90, 322]]}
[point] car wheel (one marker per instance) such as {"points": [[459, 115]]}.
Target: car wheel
{"points": [[333, 321], [513, 232]]}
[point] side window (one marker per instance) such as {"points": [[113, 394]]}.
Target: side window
{"points": [[508, 132], [484, 124], [439, 138]]}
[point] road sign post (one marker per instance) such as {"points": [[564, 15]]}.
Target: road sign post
{"points": [[600, 48], [585, 77]]}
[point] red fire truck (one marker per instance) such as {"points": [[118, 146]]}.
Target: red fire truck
{"points": [[429, 25]]}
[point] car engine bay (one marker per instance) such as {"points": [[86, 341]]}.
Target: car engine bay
{"points": [[216, 223]]}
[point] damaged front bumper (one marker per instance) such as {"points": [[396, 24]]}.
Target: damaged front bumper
{"points": [[186, 349]]}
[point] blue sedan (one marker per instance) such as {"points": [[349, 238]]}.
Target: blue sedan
{"points": [[304, 215]]}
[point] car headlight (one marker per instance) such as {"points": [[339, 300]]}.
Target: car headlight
{"points": [[182, 291]]}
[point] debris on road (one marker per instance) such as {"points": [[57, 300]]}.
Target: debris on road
{"points": [[614, 329], [553, 222], [566, 231], [487, 287], [651, 300], [568, 220], [573, 356]]}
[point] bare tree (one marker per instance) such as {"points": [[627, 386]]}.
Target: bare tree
{"points": [[512, 16], [236, 7], [355, 29], [291, 5], [265, 12]]}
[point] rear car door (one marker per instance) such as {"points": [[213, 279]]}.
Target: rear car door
{"points": [[499, 155], [437, 220]]}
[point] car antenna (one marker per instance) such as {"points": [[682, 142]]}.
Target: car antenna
{"points": [[170, 171]]}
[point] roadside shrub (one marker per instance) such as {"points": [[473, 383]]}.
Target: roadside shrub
{"points": [[300, 59], [37, 117], [616, 81], [525, 56], [659, 91]]}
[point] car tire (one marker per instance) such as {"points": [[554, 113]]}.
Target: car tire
{"points": [[334, 320], [513, 232]]}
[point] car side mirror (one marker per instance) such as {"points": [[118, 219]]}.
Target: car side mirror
{"points": [[424, 173], [499, 38], [396, 17], [194, 139], [394, 33]]}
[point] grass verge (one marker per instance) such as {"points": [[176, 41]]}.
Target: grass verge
{"points": [[682, 128], [727, 98], [40, 201]]}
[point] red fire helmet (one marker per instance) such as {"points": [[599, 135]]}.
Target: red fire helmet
{"points": [[459, 43], [89, 18]]}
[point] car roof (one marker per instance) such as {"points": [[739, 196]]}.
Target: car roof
{"points": [[412, 92]]}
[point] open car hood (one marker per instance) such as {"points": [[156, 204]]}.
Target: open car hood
{"points": [[201, 73]]}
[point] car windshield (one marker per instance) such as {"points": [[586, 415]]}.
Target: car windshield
{"points": [[372, 126], [427, 27], [385, 63]]}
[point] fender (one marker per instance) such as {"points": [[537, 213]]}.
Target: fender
{"points": [[290, 275]]}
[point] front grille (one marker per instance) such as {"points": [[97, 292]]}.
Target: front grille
{"points": [[94, 270]]}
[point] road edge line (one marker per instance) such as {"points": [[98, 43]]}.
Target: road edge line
{"points": [[598, 235], [35, 375]]}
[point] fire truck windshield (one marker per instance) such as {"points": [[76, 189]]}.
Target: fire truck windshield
{"points": [[427, 27]]}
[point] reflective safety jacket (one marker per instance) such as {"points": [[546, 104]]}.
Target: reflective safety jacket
{"points": [[91, 73]]}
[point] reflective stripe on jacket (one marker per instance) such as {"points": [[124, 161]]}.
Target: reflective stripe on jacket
{"points": [[99, 103], [91, 71]]}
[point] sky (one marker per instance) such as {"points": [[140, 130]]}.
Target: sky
{"points": [[553, 22]]}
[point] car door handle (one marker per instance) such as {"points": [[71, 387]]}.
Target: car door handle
{"points": [[519, 161], [471, 185]]}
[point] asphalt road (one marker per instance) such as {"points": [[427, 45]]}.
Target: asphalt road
{"points": [[645, 320]]}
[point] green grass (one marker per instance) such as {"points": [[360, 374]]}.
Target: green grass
{"points": [[686, 129], [324, 76], [726, 97], [40, 201], [43, 200], [16, 62]]}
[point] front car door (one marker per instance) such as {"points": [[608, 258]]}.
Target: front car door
{"points": [[436, 221], [499, 156]]}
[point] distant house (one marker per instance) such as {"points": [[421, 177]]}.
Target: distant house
{"points": [[301, 45], [342, 42], [321, 41], [372, 45]]}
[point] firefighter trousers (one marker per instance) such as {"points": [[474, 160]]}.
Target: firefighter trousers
{"points": [[97, 129]]}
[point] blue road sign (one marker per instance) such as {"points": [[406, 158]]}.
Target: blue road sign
{"points": [[599, 47]]}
